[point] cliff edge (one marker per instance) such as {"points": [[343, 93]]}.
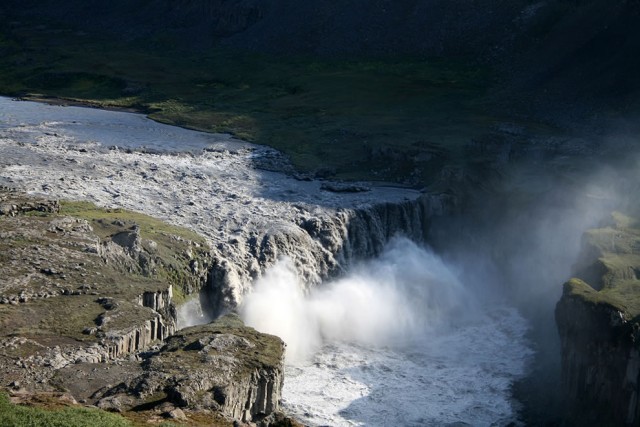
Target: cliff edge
{"points": [[88, 314], [598, 322]]}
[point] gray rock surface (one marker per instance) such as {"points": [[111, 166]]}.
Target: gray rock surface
{"points": [[223, 366], [67, 298]]}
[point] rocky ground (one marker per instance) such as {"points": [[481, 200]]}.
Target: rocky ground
{"points": [[86, 307]]}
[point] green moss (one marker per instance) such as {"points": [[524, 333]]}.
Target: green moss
{"points": [[23, 416], [616, 249], [580, 289], [174, 248]]}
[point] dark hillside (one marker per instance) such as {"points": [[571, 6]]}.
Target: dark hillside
{"points": [[583, 59], [581, 55], [326, 27]]}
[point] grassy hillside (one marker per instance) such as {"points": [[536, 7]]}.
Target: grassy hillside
{"points": [[12, 415], [396, 92], [384, 119]]}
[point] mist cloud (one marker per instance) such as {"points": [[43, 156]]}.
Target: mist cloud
{"points": [[405, 292]]}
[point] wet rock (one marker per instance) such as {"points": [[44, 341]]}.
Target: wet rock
{"points": [[344, 187]]}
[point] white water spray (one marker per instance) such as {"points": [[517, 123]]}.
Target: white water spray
{"points": [[405, 292], [190, 313], [398, 341]]}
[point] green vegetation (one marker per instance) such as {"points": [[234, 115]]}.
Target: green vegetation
{"points": [[396, 120], [77, 276], [12, 415], [616, 248], [175, 247], [102, 220], [578, 288]]}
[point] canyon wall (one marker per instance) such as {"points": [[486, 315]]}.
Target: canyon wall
{"points": [[599, 330], [223, 366]]}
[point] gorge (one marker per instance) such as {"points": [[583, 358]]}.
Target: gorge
{"points": [[395, 190], [322, 233], [408, 310]]}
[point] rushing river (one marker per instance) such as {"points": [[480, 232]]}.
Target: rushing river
{"points": [[400, 340]]}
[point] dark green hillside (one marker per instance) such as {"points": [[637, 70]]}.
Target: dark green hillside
{"points": [[402, 91]]}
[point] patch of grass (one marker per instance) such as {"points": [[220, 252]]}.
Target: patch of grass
{"points": [[578, 288], [102, 220], [174, 248], [617, 248], [12, 415]]}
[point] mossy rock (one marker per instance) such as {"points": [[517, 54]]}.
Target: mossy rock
{"points": [[611, 265]]}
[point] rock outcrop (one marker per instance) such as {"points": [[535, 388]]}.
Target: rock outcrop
{"points": [[600, 331], [223, 366], [87, 303], [75, 296], [14, 203]]}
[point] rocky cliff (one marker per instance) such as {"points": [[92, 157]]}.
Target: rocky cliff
{"points": [[599, 329], [87, 300], [223, 367]]}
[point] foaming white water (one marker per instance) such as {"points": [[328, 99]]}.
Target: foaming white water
{"points": [[463, 375], [387, 301], [399, 341]]}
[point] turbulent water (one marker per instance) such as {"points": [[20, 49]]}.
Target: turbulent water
{"points": [[399, 341]]}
